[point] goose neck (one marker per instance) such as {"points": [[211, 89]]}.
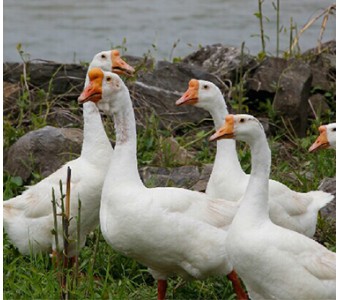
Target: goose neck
{"points": [[96, 145], [124, 165], [226, 160], [255, 202], [218, 113]]}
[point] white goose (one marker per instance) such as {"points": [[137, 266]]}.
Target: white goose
{"points": [[326, 138], [287, 208], [274, 263], [170, 230], [28, 218]]}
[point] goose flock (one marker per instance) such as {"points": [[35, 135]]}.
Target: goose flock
{"points": [[244, 226]]}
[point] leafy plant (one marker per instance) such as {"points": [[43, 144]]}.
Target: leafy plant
{"points": [[13, 185]]}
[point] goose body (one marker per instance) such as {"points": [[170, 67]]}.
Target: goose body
{"points": [[28, 218], [274, 263], [287, 208], [169, 230]]}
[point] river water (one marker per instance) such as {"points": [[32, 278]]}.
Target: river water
{"points": [[73, 31]]}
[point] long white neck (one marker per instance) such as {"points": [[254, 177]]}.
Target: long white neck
{"points": [[254, 206], [226, 164], [124, 166], [96, 145]]}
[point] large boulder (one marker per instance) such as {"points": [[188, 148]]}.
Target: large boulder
{"points": [[43, 151], [224, 61], [262, 82], [322, 61], [318, 105], [291, 98], [50, 76]]}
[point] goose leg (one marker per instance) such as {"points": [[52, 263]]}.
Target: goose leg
{"points": [[161, 288], [239, 291], [55, 256]]}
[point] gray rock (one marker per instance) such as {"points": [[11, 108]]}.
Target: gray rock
{"points": [[327, 47], [329, 185], [60, 78], [43, 151], [201, 184], [265, 123], [291, 98], [222, 60], [324, 72], [318, 105], [171, 151], [264, 80], [323, 63], [184, 176]]}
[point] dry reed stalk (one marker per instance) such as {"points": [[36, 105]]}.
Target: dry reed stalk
{"points": [[65, 209], [78, 243], [55, 220], [329, 10], [55, 254], [312, 108]]}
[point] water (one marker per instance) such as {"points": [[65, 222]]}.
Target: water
{"points": [[73, 31]]}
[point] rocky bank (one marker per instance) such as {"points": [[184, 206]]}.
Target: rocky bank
{"points": [[297, 88]]}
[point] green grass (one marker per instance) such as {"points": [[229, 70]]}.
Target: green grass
{"points": [[108, 275]]}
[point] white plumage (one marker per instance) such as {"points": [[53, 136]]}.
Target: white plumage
{"points": [[274, 263], [28, 218], [170, 230], [287, 208]]}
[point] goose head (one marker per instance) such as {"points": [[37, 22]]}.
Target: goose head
{"points": [[241, 127], [106, 89], [203, 94], [326, 138], [111, 61]]}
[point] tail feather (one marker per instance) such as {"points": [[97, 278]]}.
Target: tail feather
{"points": [[11, 209], [320, 199]]}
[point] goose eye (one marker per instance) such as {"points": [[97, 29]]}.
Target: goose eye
{"points": [[333, 129], [242, 120], [205, 86], [103, 56], [108, 79]]}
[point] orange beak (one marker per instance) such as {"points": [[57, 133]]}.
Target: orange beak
{"points": [[93, 92], [191, 95], [226, 131], [321, 142], [119, 66]]}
